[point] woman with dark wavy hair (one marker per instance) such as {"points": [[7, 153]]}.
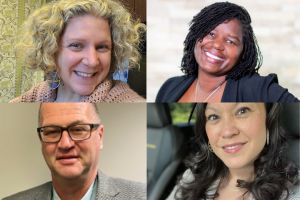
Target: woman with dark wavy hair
{"points": [[240, 155], [220, 61]]}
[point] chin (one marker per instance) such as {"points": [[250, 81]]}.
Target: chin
{"points": [[235, 164], [69, 173], [85, 91]]}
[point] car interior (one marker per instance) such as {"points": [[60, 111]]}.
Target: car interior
{"points": [[168, 145]]}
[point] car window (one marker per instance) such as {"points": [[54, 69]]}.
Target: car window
{"points": [[180, 112]]}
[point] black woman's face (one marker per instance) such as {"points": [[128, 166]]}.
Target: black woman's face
{"points": [[219, 51]]}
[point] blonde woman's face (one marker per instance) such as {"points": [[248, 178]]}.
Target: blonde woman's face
{"points": [[84, 55], [236, 132]]}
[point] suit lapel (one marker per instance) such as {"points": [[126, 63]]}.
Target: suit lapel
{"points": [[45, 192], [106, 188]]}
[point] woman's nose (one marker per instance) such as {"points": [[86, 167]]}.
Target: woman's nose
{"points": [[91, 58], [230, 129], [218, 44]]}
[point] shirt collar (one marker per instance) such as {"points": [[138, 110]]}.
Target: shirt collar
{"points": [[87, 196]]}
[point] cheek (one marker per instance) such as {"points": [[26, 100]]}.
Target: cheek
{"points": [[67, 59], [212, 133], [48, 153], [235, 54]]}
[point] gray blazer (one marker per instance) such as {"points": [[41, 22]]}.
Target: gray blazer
{"points": [[107, 188]]}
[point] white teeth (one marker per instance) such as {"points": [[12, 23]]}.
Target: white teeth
{"points": [[231, 147], [213, 56], [83, 74]]}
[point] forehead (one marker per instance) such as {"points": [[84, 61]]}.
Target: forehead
{"points": [[65, 113], [227, 107], [231, 26], [87, 26]]}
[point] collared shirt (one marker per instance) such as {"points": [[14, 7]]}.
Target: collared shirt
{"points": [[87, 196]]}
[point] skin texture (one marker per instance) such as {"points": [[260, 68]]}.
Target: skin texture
{"points": [[231, 123], [224, 42], [85, 47], [216, 54], [74, 174], [241, 124]]}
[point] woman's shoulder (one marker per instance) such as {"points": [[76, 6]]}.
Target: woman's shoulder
{"points": [[294, 193], [38, 93], [113, 91], [259, 79], [261, 88], [186, 178], [173, 88]]}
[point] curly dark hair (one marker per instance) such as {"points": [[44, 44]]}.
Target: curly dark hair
{"points": [[274, 173], [209, 18]]}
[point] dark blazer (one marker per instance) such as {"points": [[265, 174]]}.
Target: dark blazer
{"points": [[251, 88], [107, 189]]}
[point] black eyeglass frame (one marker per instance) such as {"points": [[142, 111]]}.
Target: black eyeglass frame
{"points": [[62, 129]]}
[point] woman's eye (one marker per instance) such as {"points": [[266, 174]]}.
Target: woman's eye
{"points": [[76, 46], [102, 47], [211, 34], [212, 117], [243, 110], [230, 42]]}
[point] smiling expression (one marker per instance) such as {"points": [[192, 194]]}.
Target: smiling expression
{"points": [[219, 51], [236, 132], [69, 159], [84, 55]]}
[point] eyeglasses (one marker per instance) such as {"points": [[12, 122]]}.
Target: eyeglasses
{"points": [[77, 132]]}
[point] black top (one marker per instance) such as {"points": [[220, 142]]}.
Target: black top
{"points": [[251, 88]]}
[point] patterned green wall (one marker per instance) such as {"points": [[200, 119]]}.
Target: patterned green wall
{"points": [[15, 78]]}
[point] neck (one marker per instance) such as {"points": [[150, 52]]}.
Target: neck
{"points": [[228, 186], [246, 174], [65, 95], [72, 189], [208, 83]]}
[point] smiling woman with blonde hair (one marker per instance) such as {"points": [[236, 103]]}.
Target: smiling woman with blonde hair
{"points": [[79, 44]]}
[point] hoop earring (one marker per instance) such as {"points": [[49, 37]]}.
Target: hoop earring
{"points": [[55, 80], [209, 148], [268, 137]]}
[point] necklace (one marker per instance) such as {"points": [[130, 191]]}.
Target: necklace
{"points": [[211, 93]]}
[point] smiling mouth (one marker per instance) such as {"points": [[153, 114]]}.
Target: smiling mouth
{"points": [[212, 56], [84, 74], [233, 148]]}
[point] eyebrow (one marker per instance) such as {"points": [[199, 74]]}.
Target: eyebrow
{"points": [[214, 109], [71, 124], [103, 39]]}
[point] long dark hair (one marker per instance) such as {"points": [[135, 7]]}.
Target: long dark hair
{"points": [[204, 22], [274, 173]]}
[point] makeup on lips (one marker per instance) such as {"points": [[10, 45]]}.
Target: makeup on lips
{"points": [[234, 147]]}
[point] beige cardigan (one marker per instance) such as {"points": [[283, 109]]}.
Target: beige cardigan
{"points": [[107, 91]]}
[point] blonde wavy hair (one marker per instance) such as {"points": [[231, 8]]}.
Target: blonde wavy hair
{"points": [[40, 39]]}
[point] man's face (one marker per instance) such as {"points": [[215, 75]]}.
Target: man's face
{"points": [[70, 159]]}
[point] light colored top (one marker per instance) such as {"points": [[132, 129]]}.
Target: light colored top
{"points": [[87, 196], [188, 177]]}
